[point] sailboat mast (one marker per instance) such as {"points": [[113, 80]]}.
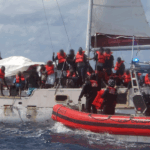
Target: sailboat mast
{"points": [[88, 38]]}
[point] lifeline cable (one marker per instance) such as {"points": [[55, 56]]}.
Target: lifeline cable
{"points": [[48, 25], [63, 23]]}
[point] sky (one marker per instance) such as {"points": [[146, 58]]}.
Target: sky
{"points": [[24, 30]]}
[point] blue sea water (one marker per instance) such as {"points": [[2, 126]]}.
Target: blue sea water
{"points": [[55, 136]]}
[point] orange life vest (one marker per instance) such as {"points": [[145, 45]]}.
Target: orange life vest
{"points": [[61, 58], [98, 101], [147, 80], [49, 69], [118, 65], [18, 79], [69, 74], [107, 56], [127, 78], [2, 74], [101, 57], [80, 58]]}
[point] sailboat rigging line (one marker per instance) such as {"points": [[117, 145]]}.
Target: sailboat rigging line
{"points": [[63, 23], [48, 26]]}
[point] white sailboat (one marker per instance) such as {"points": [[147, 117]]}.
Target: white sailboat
{"points": [[106, 19]]}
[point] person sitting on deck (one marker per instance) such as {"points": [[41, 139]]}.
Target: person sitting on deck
{"points": [[110, 98], [90, 89], [72, 78], [50, 74], [2, 79], [119, 68], [147, 79], [81, 63]]}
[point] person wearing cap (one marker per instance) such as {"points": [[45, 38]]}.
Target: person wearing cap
{"points": [[81, 64], [110, 98], [89, 89], [50, 74], [2, 79]]}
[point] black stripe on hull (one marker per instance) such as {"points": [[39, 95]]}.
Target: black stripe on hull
{"points": [[101, 124]]}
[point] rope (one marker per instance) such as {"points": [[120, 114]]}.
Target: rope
{"points": [[63, 23], [48, 25]]}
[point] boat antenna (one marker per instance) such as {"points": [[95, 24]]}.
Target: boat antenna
{"points": [[64, 24], [48, 26], [88, 38]]}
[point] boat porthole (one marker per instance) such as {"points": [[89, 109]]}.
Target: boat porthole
{"points": [[19, 103]]}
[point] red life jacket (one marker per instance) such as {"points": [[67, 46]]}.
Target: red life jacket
{"points": [[22, 78], [112, 90], [117, 66], [69, 74], [80, 58], [94, 83], [49, 69], [98, 101], [18, 79], [127, 78], [147, 80], [107, 56], [2, 74], [61, 58], [101, 57], [88, 73]]}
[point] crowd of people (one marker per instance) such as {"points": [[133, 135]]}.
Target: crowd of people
{"points": [[74, 71]]}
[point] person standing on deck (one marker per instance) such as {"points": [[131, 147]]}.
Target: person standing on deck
{"points": [[109, 60], [71, 60], [2, 79], [110, 98], [90, 89], [119, 68], [62, 66], [50, 74], [81, 63], [147, 79], [100, 61]]}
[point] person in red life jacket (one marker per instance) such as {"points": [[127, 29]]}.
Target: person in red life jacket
{"points": [[109, 60], [119, 68], [19, 82], [100, 61], [2, 79], [147, 79], [81, 63], [62, 65], [127, 79], [50, 74], [89, 89], [110, 98], [43, 76]]}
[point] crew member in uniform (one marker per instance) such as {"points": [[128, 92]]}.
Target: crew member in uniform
{"points": [[81, 63], [110, 98], [90, 89], [2, 79]]}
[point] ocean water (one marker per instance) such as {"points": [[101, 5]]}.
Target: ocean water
{"points": [[55, 136]]}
